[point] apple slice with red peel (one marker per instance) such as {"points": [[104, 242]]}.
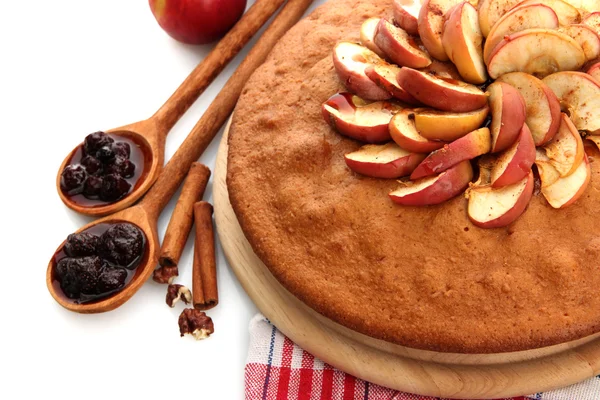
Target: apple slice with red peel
{"points": [[579, 96], [519, 19], [399, 46], [434, 189], [431, 25], [385, 75], [491, 207], [587, 38], [586, 6], [448, 126], [537, 52], [490, 12], [542, 105], [441, 93], [594, 71], [404, 132], [383, 161], [406, 13], [565, 152], [442, 69], [462, 41], [566, 190], [566, 13], [467, 147], [514, 163], [593, 21], [350, 61], [367, 36], [508, 115], [353, 117]]}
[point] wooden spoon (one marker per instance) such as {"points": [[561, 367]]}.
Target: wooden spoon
{"points": [[145, 214], [150, 134]]}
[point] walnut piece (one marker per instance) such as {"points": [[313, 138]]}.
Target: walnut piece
{"points": [[196, 323], [178, 292], [165, 274]]}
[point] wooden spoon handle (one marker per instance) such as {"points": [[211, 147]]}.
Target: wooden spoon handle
{"points": [[217, 113], [213, 64]]}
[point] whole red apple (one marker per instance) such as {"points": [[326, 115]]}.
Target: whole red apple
{"points": [[197, 21]]}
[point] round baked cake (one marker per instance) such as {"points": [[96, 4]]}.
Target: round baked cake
{"points": [[423, 277]]}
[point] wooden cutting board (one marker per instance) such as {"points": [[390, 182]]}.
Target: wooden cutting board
{"points": [[429, 373]]}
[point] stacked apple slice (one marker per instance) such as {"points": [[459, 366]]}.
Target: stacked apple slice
{"points": [[412, 96]]}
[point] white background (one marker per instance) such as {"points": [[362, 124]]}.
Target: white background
{"points": [[68, 68]]}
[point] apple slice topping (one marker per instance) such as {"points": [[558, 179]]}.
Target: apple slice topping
{"points": [[434, 189], [491, 207], [516, 20], [593, 21], [594, 71], [399, 46], [467, 147], [490, 12], [587, 38], [404, 132], [514, 164], [431, 25], [358, 119], [383, 161], [594, 139], [462, 41], [508, 115], [406, 13], [565, 152], [579, 96], [447, 126], [564, 191], [537, 52], [542, 105], [367, 36], [385, 75], [548, 174], [441, 93], [566, 13], [350, 61]]}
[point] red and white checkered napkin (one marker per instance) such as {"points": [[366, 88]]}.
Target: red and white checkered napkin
{"points": [[277, 369]]}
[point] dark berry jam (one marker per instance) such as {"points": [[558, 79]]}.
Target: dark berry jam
{"points": [[103, 170], [99, 261]]}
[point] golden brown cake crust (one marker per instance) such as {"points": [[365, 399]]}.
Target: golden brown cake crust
{"points": [[420, 277]]}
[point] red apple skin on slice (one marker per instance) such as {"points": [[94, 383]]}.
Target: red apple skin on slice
{"points": [[399, 46], [431, 25], [462, 41], [515, 163], [566, 191], [587, 38], [539, 52], [566, 13], [441, 93], [434, 189], [579, 96], [384, 75], [490, 12], [447, 126], [406, 13], [542, 105], [350, 61], [593, 21], [565, 151], [516, 20], [508, 115], [367, 36], [594, 71], [353, 117], [491, 207], [467, 147], [404, 132], [383, 161]]}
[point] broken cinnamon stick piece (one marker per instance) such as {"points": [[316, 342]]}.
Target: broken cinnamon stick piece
{"points": [[180, 224], [204, 273]]}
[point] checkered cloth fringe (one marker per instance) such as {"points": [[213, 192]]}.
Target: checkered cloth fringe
{"points": [[277, 369]]}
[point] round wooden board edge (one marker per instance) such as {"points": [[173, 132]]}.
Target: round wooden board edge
{"points": [[414, 373]]}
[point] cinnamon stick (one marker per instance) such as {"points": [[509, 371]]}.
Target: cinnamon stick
{"points": [[180, 224], [204, 273]]}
